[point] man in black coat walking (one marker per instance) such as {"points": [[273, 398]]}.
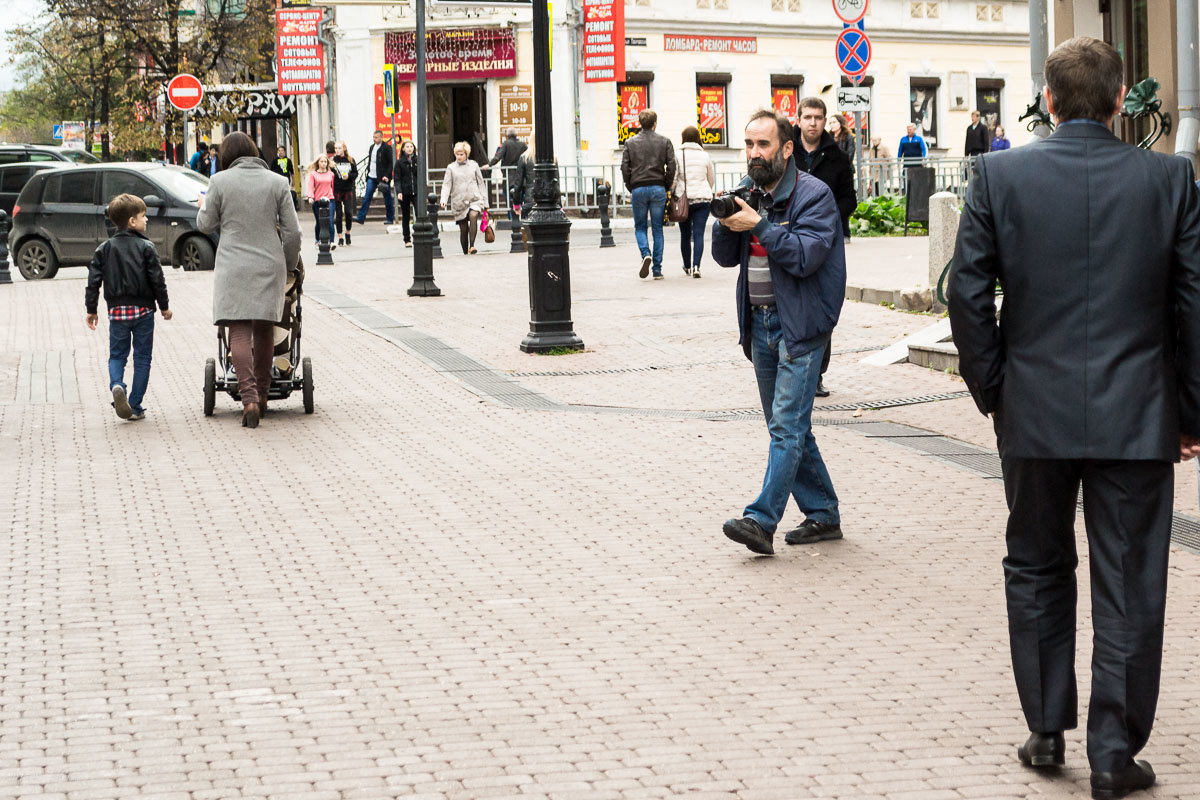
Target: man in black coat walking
{"points": [[818, 154], [508, 156], [977, 142], [1092, 376]]}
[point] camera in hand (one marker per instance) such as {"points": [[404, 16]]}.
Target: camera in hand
{"points": [[725, 206]]}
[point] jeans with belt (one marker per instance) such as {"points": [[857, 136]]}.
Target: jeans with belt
{"points": [[786, 387]]}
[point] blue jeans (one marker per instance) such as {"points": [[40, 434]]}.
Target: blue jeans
{"points": [[786, 387], [650, 200], [386, 190], [691, 234], [316, 207], [139, 333]]}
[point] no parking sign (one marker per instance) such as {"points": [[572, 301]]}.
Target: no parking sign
{"points": [[853, 52]]}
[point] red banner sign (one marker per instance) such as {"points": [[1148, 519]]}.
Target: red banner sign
{"points": [[383, 121], [299, 54], [632, 100], [710, 113], [785, 99], [454, 53], [603, 40], [710, 44]]}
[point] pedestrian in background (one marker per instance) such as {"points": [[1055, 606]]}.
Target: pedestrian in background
{"points": [[464, 192], [508, 156], [214, 160], [648, 168], [912, 147], [318, 188], [1092, 378], [694, 179], [282, 165], [842, 135], [405, 181], [878, 149], [250, 205], [345, 180], [379, 175], [977, 141], [200, 159], [127, 268], [818, 154], [790, 288], [999, 140]]}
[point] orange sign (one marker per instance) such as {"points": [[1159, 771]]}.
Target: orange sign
{"points": [[633, 97], [784, 100], [710, 113], [403, 114]]}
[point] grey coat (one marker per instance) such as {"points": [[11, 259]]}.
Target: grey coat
{"points": [[249, 203]]}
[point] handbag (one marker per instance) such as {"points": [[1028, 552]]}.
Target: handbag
{"points": [[489, 233], [679, 209]]}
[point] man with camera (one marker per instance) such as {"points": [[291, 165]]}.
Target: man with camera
{"points": [[782, 229]]}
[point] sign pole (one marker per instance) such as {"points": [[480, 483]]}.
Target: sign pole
{"points": [[423, 230]]}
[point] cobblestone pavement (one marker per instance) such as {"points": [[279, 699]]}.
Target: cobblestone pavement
{"points": [[418, 591]]}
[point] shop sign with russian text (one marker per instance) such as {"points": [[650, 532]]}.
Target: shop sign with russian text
{"points": [[603, 41], [454, 53], [632, 99], [674, 42], [299, 54]]}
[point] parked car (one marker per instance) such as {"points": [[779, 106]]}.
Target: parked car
{"points": [[13, 178], [12, 153], [59, 219]]}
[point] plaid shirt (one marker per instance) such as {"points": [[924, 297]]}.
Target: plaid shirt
{"points": [[127, 313]]}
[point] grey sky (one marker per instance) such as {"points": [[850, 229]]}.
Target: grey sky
{"points": [[15, 13]]}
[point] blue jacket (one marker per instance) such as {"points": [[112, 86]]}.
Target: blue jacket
{"points": [[802, 235], [912, 147]]}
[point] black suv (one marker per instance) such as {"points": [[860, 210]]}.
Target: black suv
{"points": [[59, 221], [12, 153]]}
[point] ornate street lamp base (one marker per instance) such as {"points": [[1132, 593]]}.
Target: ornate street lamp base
{"points": [[547, 341], [423, 238]]}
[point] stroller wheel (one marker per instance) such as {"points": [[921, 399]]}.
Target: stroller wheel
{"points": [[307, 386], [210, 387]]}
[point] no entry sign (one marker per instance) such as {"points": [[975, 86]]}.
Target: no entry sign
{"points": [[185, 91], [853, 51]]}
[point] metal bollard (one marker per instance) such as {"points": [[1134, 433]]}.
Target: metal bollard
{"points": [[5, 275], [323, 256], [603, 199], [432, 209], [518, 243]]}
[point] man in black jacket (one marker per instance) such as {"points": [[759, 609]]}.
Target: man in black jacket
{"points": [[648, 168], [379, 175], [977, 137], [1092, 376], [818, 154], [508, 156]]}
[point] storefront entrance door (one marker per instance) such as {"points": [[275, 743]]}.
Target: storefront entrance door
{"points": [[456, 115]]}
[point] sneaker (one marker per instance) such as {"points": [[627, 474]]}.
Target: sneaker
{"points": [[472, 251], [137, 415], [340, 240], [747, 531], [695, 272], [645, 270], [687, 270], [658, 276], [333, 247], [121, 402], [347, 237], [408, 244], [821, 390], [811, 531]]}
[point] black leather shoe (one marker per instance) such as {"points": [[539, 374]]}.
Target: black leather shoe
{"points": [[748, 532], [811, 531], [1043, 750], [821, 390], [1137, 776]]}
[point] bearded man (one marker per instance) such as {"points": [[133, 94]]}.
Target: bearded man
{"points": [[791, 255]]}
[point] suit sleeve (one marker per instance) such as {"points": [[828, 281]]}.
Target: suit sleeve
{"points": [[91, 295], [1187, 301], [972, 296], [801, 247], [154, 274]]}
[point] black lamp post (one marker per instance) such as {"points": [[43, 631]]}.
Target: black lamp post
{"points": [[423, 229], [548, 228]]}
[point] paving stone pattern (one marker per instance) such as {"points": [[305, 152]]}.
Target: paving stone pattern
{"points": [[417, 592]]}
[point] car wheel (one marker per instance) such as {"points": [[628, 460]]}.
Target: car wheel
{"points": [[196, 253], [36, 260]]}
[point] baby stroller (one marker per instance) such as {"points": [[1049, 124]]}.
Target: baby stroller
{"points": [[289, 371]]}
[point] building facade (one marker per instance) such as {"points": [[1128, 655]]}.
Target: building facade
{"points": [[696, 62]]}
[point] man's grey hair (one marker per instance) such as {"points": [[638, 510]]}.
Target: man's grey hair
{"points": [[511, 133]]}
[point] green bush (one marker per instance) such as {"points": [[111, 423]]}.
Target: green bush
{"points": [[880, 216]]}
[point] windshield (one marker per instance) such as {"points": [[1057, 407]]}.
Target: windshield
{"points": [[79, 156], [179, 181]]}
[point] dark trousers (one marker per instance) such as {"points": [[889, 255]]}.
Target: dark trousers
{"points": [[691, 235], [1127, 513], [343, 206], [406, 204]]}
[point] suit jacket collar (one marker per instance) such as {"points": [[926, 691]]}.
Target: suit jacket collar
{"points": [[1082, 130]]}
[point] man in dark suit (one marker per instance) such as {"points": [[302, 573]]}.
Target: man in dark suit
{"points": [[1092, 376], [977, 137]]}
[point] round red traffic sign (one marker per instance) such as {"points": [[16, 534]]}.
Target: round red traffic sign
{"points": [[850, 11], [185, 91], [853, 51]]}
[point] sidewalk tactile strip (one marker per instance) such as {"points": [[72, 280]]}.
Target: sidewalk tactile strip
{"points": [[46, 377]]}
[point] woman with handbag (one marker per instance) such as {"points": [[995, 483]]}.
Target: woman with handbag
{"points": [[690, 196], [465, 193]]}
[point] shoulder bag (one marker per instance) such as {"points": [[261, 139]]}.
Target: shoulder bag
{"points": [[679, 210]]}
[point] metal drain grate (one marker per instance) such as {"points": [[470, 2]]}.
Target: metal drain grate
{"points": [[869, 405]]}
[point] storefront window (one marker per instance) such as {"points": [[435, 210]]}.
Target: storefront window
{"points": [[923, 94], [632, 99], [785, 100], [710, 113]]}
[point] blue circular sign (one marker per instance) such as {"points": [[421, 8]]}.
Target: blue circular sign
{"points": [[853, 51]]}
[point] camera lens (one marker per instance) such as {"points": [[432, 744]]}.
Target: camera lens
{"points": [[722, 207]]}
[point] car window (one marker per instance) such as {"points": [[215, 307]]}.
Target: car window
{"points": [[79, 156], [36, 156], [180, 182], [71, 187], [13, 178], [11, 156], [121, 182]]}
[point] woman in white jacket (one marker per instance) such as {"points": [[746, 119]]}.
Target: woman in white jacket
{"points": [[694, 177]]}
